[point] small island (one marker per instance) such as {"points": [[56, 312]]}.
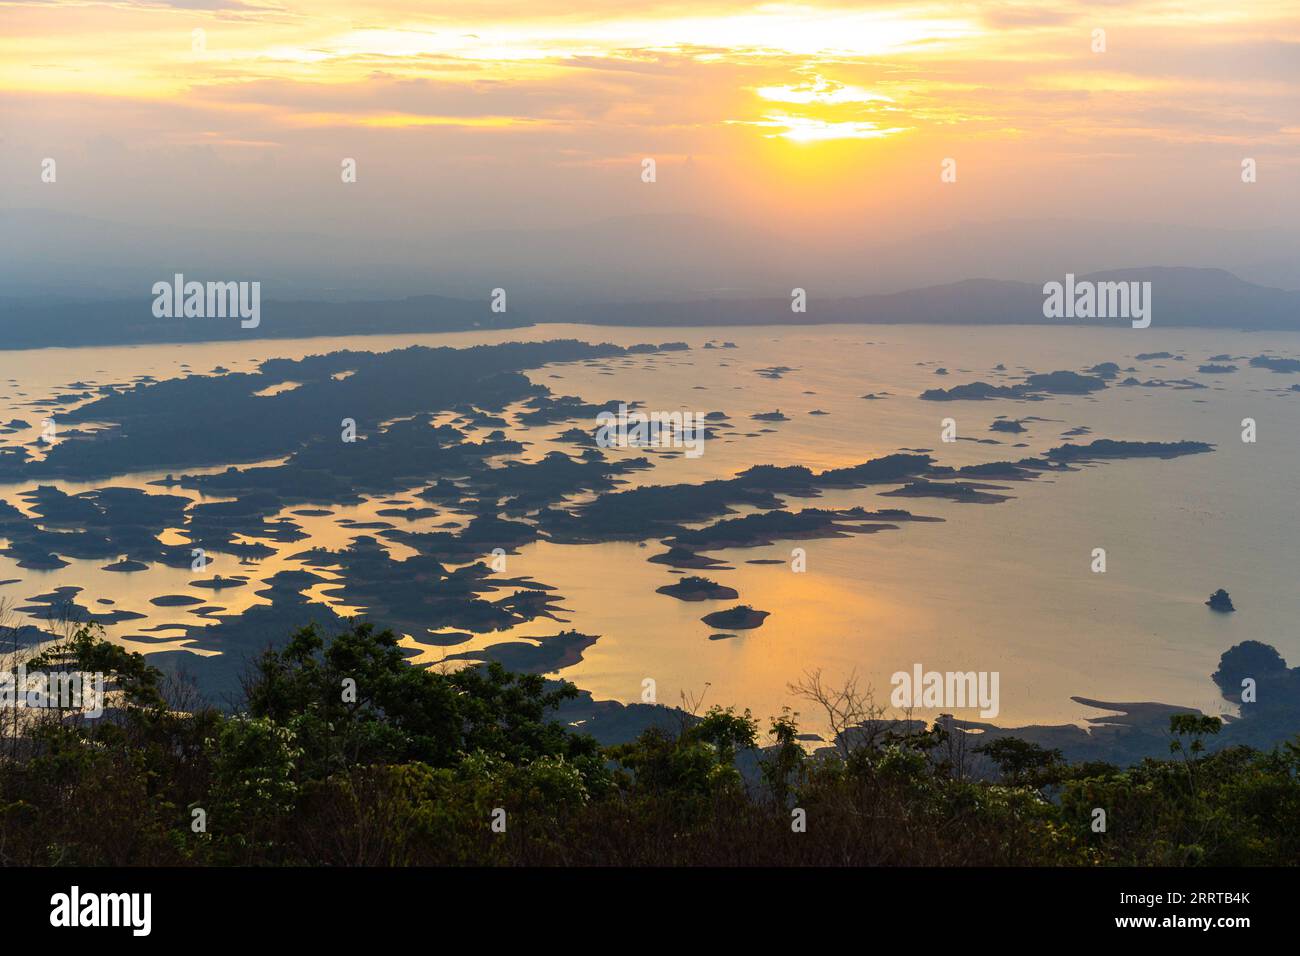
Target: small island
{"points": [[174, 600], [219, 583], [678, 557], [739, 618], [1219, 601], [695, 588], [1108, 448], [954, 491], [125, 565], [1033, 388]]}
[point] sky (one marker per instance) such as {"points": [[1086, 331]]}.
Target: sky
{"points": [[823, 127]]}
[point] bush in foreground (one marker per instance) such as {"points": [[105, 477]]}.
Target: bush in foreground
{"points": [[346, 755]]}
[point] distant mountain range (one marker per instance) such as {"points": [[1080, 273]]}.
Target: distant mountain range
{"points": [[1205, 298], [1211, 298], [48, 253], [25, 324]]}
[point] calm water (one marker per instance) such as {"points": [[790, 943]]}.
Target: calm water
{"points": [[1003, 587]]}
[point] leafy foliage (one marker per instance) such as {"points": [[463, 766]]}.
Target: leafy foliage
{"points": [[347, 755]]}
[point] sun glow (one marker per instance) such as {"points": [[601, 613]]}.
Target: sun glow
{"points": [[809, 129], [587, 87], [822, 91]]}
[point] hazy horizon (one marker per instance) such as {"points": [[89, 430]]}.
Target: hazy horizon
{"points": [[503, 145]]}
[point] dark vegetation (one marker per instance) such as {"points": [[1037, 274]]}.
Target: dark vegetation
{"points": [[216, 420], [131, 321], [1220, 601], [1191, 297], [695, 588], [767, 527], [415, 765], [742, 617], [951, 490], [1275, 364], [1034, 387], [1108, 448]]}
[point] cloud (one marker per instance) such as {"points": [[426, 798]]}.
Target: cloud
{"points": [[818, 112]]}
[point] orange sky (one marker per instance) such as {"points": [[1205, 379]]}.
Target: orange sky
{"points": [[823, 116]]}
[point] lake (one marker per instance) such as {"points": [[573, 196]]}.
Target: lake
{"points": [[1004, 587]]}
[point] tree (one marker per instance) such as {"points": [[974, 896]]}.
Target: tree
{"points": [[1023, 763], [355, 700]]}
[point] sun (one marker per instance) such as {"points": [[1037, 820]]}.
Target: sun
{"points": [[820, 109], [807, 129]]}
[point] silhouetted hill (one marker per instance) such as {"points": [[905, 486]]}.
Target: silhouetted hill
{"points": [[1205, 298], [129, 322], [643, 257], [1211, 298]]}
